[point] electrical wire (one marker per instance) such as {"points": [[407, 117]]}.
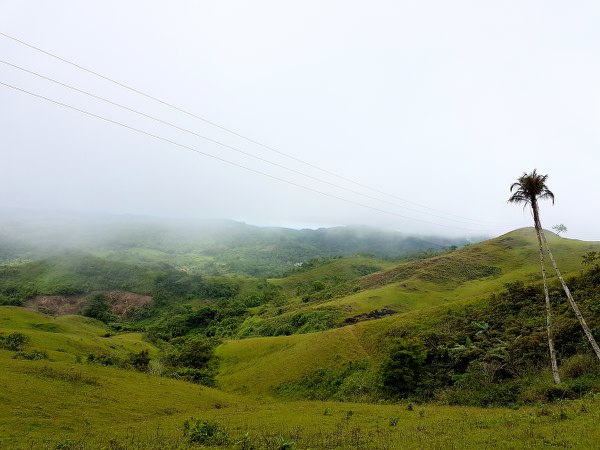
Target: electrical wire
{"points": [[165, 103], [226, 145], [155, 136]]}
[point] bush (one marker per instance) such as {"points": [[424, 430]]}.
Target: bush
{"points": [[203, 431], [353, 382], [192, 359], [10, 301], [579, 365], [14, 342], [105, 360], [194, 352], [140, 361], [401, 372], [97, 307], [205, 377], [544, 389], [33, 355]]}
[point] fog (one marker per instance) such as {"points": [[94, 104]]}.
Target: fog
{"points": [[431, 109]]}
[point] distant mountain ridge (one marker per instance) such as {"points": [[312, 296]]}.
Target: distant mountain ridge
{"points": [[236, 246]]}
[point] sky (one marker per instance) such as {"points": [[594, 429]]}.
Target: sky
{"points": [[414, 116]]}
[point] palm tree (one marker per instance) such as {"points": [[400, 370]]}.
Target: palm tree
{"points": [[529, 188]]}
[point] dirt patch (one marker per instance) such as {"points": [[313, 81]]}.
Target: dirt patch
{"points": [[121, 303], [55, 304], [377, 314]]}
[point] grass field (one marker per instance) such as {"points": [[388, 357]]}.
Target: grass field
{"points": [[65, 405]]}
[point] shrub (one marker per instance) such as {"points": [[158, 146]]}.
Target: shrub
{"points": [[203, 431], [195, 352], [475, 388], [140, 361], [70, 376], [97, 307], [353, 382], [200, 376], [545, 390], [579, 365], [285, 444], [105, 360], [10, 301], [14, 342], [400, 373], [33, 355]]}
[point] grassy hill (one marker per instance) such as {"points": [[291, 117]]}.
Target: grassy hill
{"points": [[467, 273], [422, 292], [65, 338]]}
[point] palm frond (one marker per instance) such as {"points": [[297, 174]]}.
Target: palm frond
{"points": [[547, 194], [529, 188]]}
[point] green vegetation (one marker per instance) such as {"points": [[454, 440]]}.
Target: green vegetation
{"points": [[442, 350], [210, 248], [425, 311], [64, 405]]}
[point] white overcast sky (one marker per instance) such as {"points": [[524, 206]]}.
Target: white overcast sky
{"points": [[442, 103]]}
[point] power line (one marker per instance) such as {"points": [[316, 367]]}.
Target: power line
{"points": [[222, 144], [268, 147], [225, 160]]}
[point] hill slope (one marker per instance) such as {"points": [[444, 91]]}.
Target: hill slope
{"points": [[420, 292], [59, 403]]}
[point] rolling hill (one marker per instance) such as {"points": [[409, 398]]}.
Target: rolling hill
{"points": [[335, 321], [214, 247], [420, 292]]}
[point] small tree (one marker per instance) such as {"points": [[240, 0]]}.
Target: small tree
{"points": [[14, 342], [560, 228], [97, 307], [401, 372]]}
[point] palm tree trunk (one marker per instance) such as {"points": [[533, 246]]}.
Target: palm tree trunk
{"points": [[584, 325], [553, 362]]}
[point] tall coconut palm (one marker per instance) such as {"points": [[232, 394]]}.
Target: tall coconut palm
{"points": [[528, 189]]}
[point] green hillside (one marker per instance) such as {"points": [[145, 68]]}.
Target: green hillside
{"points": [[65, 338], [464, 274], [343, 352], [421, 292], [209, 247], [59, 403]]}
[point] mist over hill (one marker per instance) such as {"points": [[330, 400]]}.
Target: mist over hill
{"points": [[223, 246]]}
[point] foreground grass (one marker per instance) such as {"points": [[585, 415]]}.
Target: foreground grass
{"points": [[66, 405]]}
